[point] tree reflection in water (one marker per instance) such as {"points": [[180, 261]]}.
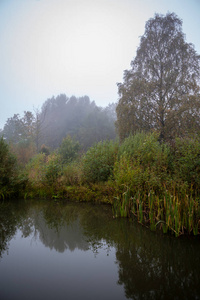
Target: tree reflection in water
{"points": [[150, 265], [12, 215]]}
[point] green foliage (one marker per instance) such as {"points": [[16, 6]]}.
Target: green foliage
{"points": [[142, 162], [145, 148], [186, 161], [19, 129], [8, 170], [69, 149], [161, 90], [170, 211], [43, 174], [24, 151], [53, 169], [127, 173], [98, 161], [35, 170], [72, 174], [159, 184]]}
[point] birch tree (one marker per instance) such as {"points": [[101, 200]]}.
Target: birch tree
{"points": [[161, 91]]}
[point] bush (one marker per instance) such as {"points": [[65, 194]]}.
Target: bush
{"points": [[146, 149], [24, 151], [98, 161], [53, 169], [69, 149], [142, 162], [128, 174], [158, 184], [186, 161], [35, 170], [44, 172], [8, 170], [72, 174]]}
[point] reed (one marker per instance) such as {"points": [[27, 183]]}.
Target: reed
{"points": [[162, 183], [2, 196], [172, 212], [121, 205]]}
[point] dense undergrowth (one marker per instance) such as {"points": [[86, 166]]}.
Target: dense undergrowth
{"points": [[157, 183]]}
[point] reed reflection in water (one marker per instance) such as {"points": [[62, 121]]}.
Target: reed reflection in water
{"points": [[77, 250]]}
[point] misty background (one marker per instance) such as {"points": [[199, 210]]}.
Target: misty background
{"points": [[80, 47]]}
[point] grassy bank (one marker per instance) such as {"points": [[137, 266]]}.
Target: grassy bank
{"points": [[159, 184]]}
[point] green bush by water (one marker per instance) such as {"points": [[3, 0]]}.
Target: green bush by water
{"points": [[98, 162], [157, 183], [11, 183]]}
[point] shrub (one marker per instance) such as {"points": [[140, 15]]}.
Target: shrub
{"points": [[145, 148], [43, 173], [8, 170], [24, 151], [142, 162], [35, 170], [72, 174], [186, 161], [69, 149], [53, 169], [158, 184], [98, 161], [132, 175]]}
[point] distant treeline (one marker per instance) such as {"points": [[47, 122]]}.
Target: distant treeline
{"points": [[60, 116]]}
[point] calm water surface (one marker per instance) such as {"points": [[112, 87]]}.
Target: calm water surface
{"points": [[53, 250]]}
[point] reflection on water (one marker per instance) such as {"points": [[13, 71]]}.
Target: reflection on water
{"points": [[59, 250]]}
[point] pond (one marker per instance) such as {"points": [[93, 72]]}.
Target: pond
{"points": [[65, 250]]}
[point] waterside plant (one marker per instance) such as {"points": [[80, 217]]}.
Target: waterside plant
{"points": [[172, 212], [158, 183], [155, 182]]}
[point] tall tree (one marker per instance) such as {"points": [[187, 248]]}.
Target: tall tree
{"points": [[13, 129], [39, 119], [20, 133], [161, 91], [18, 129]]}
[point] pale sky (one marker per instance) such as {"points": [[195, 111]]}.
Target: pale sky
{"points": [[76, 47]]}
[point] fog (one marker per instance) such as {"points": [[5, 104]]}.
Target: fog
{"points": [[49, 47]]}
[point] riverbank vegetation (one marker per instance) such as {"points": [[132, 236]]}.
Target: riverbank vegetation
{"points": [[70, 149], [157, 183]]}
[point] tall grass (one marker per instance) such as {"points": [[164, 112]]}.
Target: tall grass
{"points": [[169, 212], [149, 186]]}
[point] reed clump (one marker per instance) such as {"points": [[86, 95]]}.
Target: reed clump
{"points": [[170, 212], [153, 184]]}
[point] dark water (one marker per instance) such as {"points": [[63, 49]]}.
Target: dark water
{"points": [[69, 251]]}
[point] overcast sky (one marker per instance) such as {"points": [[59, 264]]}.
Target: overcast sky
{"points": [[76, 47]]}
